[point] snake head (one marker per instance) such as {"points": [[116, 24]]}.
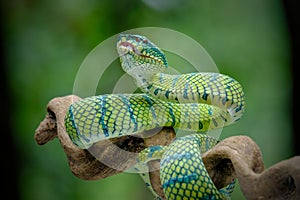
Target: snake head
{"points": [[139, 56]]}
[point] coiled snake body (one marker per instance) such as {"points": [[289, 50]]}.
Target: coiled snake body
{"points": [[194, 101], [182, 173]]}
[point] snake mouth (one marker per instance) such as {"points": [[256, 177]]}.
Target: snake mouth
{"points": [[124, 45], [125, 48], [140, 49]]}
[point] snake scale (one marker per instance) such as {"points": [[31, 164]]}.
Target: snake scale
{"points": [[194, 101]]}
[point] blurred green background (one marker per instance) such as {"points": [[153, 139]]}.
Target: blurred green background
{"points": [[46, 42]]}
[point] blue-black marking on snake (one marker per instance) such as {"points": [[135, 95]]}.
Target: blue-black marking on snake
{"points": [[195, 101]]}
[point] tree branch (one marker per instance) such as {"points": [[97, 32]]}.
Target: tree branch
{"points": [[234, 157]]}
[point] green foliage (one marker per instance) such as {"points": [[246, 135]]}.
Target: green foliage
{"points": [[48, 40]]}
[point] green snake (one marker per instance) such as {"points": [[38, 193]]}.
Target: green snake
{"points": [[194, 101]]}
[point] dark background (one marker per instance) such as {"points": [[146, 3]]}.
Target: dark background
{"points": [[43, 44]]}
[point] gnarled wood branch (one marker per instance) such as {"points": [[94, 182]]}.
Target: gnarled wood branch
{"points": [[234, 157]]}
